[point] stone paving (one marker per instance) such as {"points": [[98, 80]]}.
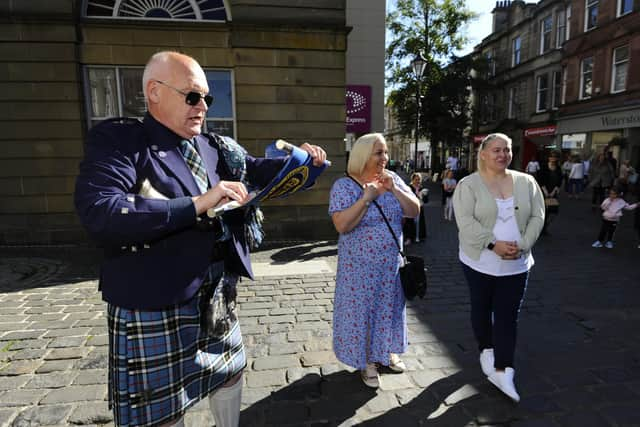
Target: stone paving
{"points": [[578, 357]]}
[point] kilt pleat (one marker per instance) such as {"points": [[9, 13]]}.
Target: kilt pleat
{"points": [[162, 362]]}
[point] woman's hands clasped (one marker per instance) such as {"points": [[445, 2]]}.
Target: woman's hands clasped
{"points": [[507, 250]]}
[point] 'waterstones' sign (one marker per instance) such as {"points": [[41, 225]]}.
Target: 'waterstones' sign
{"points": [[620, 120], [597, 122]]}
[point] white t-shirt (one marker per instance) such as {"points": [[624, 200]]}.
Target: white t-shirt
{"points": [[533, 166], [506, 228], [577, 171], [452, 163]]}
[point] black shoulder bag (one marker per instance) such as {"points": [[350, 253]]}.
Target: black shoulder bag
{"points": [[413, 271]]}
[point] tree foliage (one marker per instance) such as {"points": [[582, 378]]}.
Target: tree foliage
{"points": [[430, 27]]}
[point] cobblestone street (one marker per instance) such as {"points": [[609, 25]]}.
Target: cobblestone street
{"points": [[577, 358]]}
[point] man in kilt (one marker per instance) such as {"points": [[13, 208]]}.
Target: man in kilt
{"points": [[169, 272]]}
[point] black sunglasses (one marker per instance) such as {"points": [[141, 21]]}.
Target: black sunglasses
{"points": [[192, 98]]}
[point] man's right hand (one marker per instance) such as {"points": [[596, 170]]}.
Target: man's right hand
{"points": [[223, 192]]}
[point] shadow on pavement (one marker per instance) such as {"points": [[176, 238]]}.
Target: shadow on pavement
{"points": [[330, 399]]}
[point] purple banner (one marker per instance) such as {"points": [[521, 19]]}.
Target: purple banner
{"points": [[358, 100]]}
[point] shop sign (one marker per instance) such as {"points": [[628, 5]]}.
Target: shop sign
{"points": [[358, 106], [606, 121], [541, 131]]}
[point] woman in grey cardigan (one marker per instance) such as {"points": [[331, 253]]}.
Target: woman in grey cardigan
{"points": [[499, 213]]}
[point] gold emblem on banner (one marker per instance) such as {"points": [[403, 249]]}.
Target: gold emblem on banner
{"points": [[290, 183]]}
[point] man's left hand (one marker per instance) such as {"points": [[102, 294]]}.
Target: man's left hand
{"points": [[317, 154]]}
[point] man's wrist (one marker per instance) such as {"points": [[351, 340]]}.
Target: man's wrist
{"points": [[491, 245]]}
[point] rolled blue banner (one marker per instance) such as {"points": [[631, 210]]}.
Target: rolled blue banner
{"points": [[298, 173]]}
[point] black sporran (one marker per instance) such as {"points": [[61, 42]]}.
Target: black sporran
{"points": [[413, 277]]}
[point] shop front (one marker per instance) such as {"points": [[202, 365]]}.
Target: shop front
{"points": [[617, 131], [539, 142]]}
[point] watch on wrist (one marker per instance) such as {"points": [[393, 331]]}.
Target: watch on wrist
{"points": [[491, 245]]}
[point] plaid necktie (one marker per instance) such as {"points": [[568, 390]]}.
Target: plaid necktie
{"points": [[194, 161]]}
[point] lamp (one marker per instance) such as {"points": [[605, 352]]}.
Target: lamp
{"points": [[418, 65]]}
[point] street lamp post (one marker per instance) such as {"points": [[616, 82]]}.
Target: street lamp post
{"points": [[418, 65]]}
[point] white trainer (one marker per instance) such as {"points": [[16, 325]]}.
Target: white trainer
{"points": [[486, 361], [504, 382], [609, 245], [597, 244]]}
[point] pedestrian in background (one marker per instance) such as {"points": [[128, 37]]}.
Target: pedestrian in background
{"points": [[550, 183], [600, 179], [576, 177], [414, 229], [169, 273], [500, 213], [612, 208], [369, 315], [533, 167], [448, 186]]}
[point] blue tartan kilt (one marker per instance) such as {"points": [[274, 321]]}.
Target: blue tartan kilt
{"points": [[162, 362]]}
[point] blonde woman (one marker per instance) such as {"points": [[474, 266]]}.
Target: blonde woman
{"points": [[369, 318], [500, 213]]}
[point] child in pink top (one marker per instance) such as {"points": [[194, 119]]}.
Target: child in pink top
{"points": [[612, 208]]}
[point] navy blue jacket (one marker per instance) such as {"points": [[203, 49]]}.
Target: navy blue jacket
{"points": [[155, 254]]}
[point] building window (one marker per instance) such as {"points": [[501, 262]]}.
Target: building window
{"points": [[542, 90], [175, 10], [516, 45], [586, 78], [556, 98], [624, 7], [567, 35], [491, 63], [590, 14], [220, 116], [117, 92], [561, 28], [512, 106], [546, 26], [563, 99], [619, 68], [493, 107]]}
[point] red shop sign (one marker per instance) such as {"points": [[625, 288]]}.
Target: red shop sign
{"points": [[541, 131]]}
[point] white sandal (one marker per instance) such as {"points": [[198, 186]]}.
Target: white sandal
{"points": [[396, 364], [370, 376]]}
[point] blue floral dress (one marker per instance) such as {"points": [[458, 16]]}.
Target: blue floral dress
{"points": [[369, 317]]}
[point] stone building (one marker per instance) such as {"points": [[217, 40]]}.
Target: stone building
{"points": [[602, 63], [277, 69], [523, 89]]}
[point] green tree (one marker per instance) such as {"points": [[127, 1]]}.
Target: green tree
{"points": [[432, 28]]}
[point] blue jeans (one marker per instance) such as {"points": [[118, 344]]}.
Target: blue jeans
{"points": [[495, 305]]}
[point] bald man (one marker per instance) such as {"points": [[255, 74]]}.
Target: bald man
{"points": [[169, 272]]}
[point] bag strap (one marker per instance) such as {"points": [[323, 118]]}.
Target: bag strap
{"points": [[386, 221]]}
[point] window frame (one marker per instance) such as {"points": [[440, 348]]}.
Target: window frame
{"points": [[568, 26], [516, 54], [614, 66], [581, 94], [92, 120], [619, 5], [588, 5], [561, 31], [540, 92], [511, 106], [545, 35], [556, 89]]}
